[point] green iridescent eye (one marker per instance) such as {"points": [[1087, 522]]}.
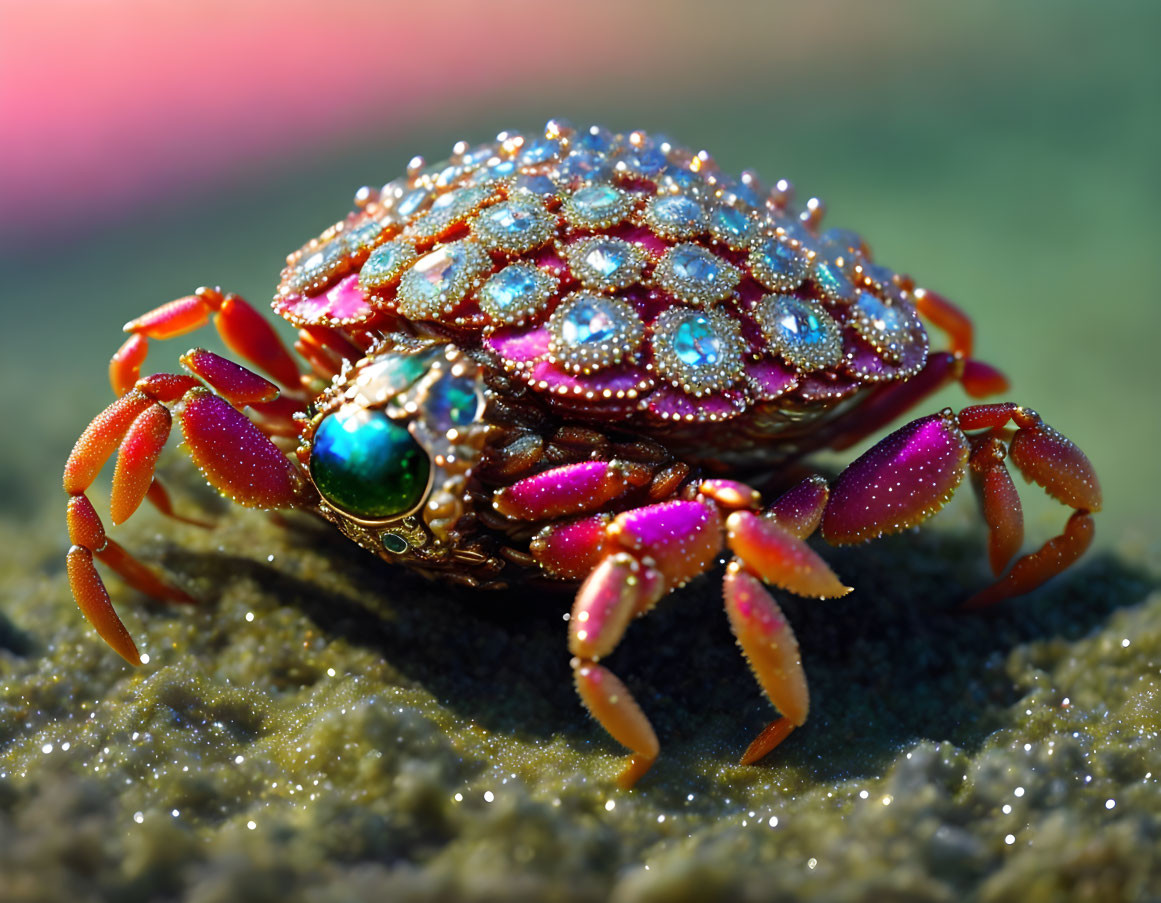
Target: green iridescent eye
{"points": [[367, 464]]}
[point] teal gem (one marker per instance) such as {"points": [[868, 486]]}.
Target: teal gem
{"points": [[385, 265], [730, 225], [451, 402], [368, 465], [598, 202], [395, 544], [515, 291], [588, 322], [830, 279], [696, 344], [777, 265]]}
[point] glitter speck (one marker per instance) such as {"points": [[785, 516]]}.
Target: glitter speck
{"points": [[610, 806], [863, 794], [238, 760], [251, 825], [1006, 809], [811, 863], [1109, 804], [489, 796], [46, 749], [1019, 791], [1124, 642], [1010, 839], [773, 822], [145, 658], [138, 817]]}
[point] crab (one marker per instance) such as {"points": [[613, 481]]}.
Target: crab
{"points": [[593, 359]]}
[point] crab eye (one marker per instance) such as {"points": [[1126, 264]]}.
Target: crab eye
{"points": [[368, 465]]}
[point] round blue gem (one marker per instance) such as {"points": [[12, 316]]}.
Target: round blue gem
{"points": [[607, 258], [541, 185], [777, 265], [802, 331], [596, 139], [696, 344], [597, 202], [646, 161], [413, 202], [676, 214], [452, 401], [502, 168], [582, 164], [588, 323], [538, 151], [830, 279], [730, 225], [697, 265], [511, 288]]}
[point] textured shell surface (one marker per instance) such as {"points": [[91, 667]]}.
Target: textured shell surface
{"points": [[619, 279]]}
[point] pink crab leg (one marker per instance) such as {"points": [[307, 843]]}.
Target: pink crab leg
{"points": [[651, 550], [561, 491], [242, 328], [911, 474], [771, 650], [799, 510]]}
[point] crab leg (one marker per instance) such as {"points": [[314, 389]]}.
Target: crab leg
{"points": [[911, 474], [634, 558], [235, 457], [242, 328]]}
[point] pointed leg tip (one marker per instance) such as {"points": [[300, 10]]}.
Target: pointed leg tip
{"points": [[767, 741], [636, 768]]}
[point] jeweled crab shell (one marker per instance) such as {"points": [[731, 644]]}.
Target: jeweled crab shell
{"points": [[621, 278]]}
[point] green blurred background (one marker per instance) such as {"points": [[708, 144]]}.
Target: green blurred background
{"points": [[1003, 153]]}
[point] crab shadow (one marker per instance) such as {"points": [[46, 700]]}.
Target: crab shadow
{"points": [[890, 664]]}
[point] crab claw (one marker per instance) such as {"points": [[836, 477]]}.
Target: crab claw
{"points": [[898, 483], [1054, 462]]}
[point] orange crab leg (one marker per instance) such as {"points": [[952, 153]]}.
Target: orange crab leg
{"points": [[242, 328], [771, 649], [947, 317], [233, 454]]}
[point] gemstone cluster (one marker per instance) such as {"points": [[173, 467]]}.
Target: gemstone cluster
{"points": [[623, 261]]}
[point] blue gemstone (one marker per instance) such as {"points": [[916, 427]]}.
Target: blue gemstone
{"points": [[588, 322], [452, 401], [696, 344], [414, 202], [385, 264], [747, 195], [582, 164], [681, 180], [596, 139], [541, 185], [598, 202], [538, 151], [607, 257], [730, 225], [777, 265], [511, 289], [646, 161], [502, 168], [481, 153], [802, 331], [697, 265], [676, 213], [830, 279], [517, 225]]}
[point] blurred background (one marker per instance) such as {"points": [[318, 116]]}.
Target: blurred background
{"points": [[1005, 154]]}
